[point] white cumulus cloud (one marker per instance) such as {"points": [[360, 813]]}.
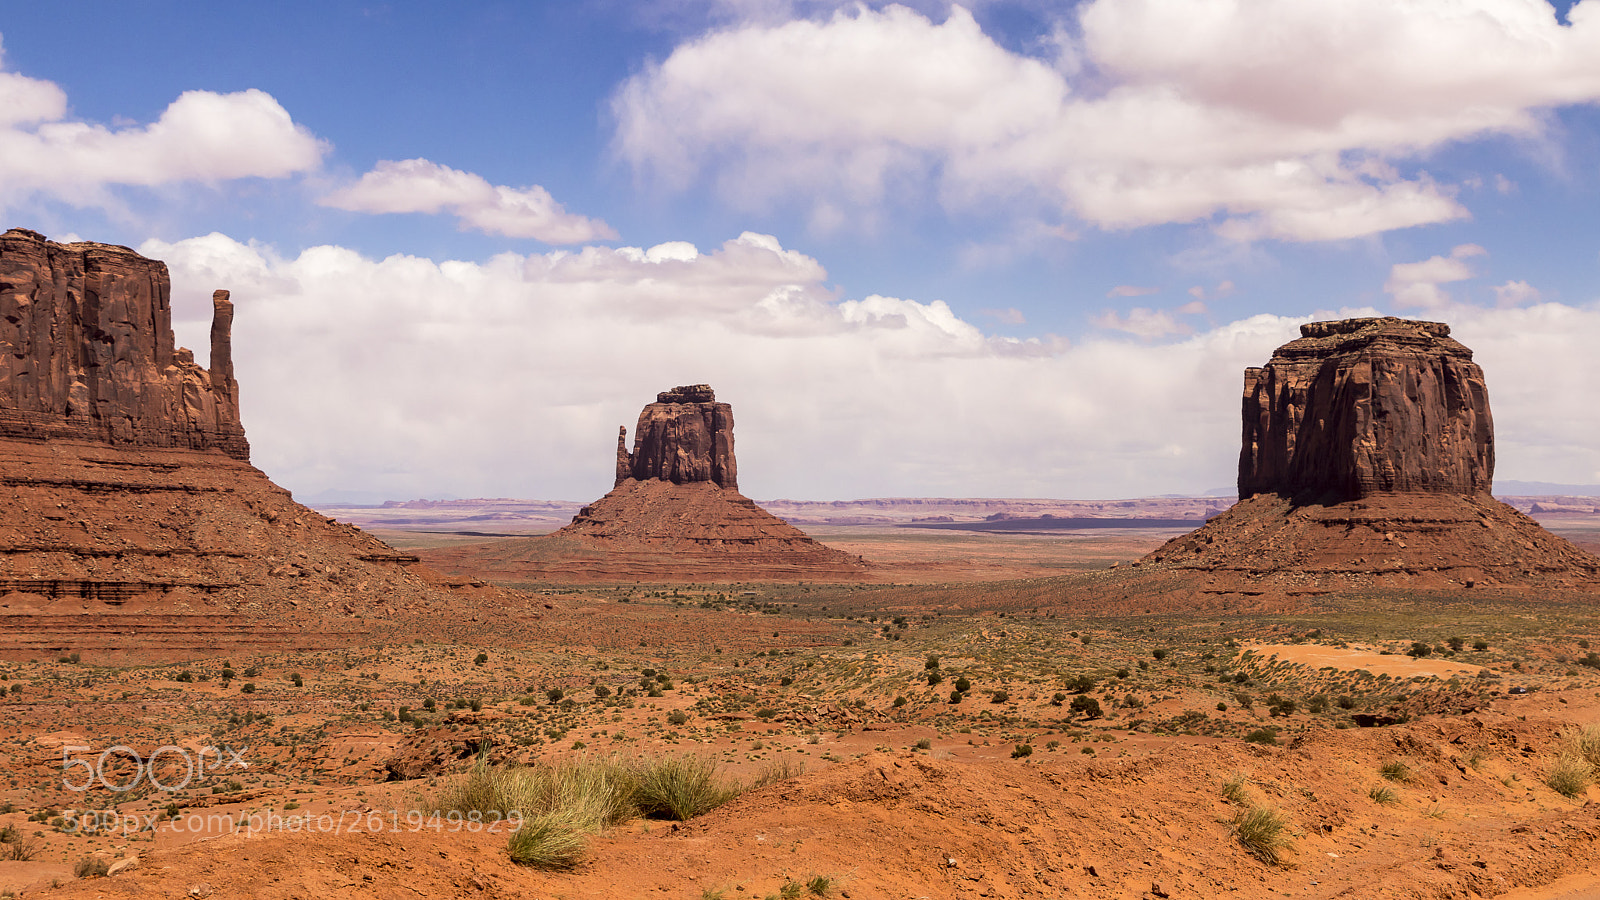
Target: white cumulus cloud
{"points": [[202, 136], [1417, 284], [508, 377], [1142, 322], [1287, 119], [423, 186], [1515, 293]]}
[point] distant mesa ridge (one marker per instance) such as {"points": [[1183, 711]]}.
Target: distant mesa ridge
{"points": [[90, 352], [1360, 407]]}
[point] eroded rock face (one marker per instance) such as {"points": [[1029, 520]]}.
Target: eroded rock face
{"points": [[132, 525], [87, 352], [683, 437], [1360, 407], [1366, 463]]}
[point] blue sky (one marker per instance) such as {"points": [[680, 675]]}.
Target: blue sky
{"points": [[1006, 249]]}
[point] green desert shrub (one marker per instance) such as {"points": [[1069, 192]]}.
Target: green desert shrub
{"points": [[819, 885], [90, 867], [1088, 706], [1382, 793], [1268, 736], [1397, 771]]}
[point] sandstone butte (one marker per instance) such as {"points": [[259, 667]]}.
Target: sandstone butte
{"points": [[131, 520], [1366, 462], [674, 514]]}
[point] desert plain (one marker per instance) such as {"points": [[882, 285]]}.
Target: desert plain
{"points": [[881, 783]]}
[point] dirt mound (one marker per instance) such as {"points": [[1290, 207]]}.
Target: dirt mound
{"points": [[1154, 824], [1420, 541], [659, 531]]}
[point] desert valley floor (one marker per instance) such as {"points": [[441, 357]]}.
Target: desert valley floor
{"points": [[967, 722]]}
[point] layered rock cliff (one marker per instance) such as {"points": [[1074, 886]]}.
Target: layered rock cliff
{"points": [[1366, 406], [684, 437], [87, 352], [1366, 461], [131, 522]]}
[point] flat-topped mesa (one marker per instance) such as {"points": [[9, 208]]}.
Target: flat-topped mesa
{"points": [[1360, 407], [87, 352], [683, 437]]}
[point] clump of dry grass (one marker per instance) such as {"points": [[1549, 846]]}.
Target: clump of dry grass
{"points": [[680, 787], [1586, 743], [560, 805], [1570, 774], [1264, 833], [1234, 789]]}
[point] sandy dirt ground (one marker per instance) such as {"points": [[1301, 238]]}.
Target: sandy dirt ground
{"points": [[938, 751]]}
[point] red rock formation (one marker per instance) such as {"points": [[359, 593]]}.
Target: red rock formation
{"points": [[1366, 406], [1366, 462], [131, 522], [87, 351], [683, 437], [675, 515]]}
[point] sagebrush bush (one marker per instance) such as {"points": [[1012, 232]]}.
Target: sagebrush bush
{"points": [[1268, 736]]}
